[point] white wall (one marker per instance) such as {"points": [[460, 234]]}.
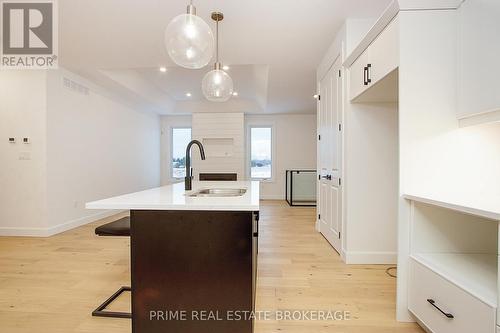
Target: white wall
{"points": [[22, 182], [295, 148], [371, 183], [83, 148], [96, 148], [223, 137], [356, 30]]}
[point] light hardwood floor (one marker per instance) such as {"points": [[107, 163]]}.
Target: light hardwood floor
{"points": [[51, 285]]}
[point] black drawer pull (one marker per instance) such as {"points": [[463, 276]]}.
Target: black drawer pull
{"points": [[365, 76], [433, 303]]}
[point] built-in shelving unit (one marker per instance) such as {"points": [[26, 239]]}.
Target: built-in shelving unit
{"points": [[420, 58], [453, 263]]}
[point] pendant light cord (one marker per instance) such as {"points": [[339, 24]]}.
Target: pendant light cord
{"points": [[217, 41]]}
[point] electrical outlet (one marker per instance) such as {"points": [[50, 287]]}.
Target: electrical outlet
{"points": [[26, 140], [12, 140], [24, 156]]}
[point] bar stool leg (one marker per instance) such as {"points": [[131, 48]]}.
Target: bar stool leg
{"points": [[101, 309]]}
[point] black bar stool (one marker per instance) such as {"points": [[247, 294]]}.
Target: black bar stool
{"points": [[119, 227]]}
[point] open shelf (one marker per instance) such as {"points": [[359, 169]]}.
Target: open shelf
{"points": [[474, 273], [486, 207]]}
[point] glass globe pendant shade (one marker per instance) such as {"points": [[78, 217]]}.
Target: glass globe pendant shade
{"points": [[189, 41], [217, 86]]}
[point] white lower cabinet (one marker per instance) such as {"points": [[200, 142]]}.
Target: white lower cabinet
{"points": [[443, 307]]}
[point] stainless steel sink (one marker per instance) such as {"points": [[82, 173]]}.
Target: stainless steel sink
{"points": [[219, 192]]}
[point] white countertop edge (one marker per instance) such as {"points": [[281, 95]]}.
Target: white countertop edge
{"points": [[460, 207], [98, 206], [174, 197]]}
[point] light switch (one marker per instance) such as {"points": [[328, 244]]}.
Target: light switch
{"points": [[24, 156]]}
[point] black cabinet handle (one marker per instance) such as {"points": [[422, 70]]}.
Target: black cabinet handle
{"points": [[433, 303], [368, 79], [365, 76], [327, 177]]}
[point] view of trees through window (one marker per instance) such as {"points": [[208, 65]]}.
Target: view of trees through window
{"points": [[261, 152], [180, 139]]}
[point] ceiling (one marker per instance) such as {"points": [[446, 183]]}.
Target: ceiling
{"points": [[272, 47]]}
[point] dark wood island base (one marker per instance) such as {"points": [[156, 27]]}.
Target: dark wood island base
{"points": [[193, 271]]}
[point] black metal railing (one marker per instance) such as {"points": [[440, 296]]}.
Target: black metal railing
{"points": [[300, 187]]}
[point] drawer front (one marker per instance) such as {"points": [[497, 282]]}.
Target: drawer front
{"points": [[469, 314]]}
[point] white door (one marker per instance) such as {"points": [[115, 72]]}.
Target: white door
{"points": [[330, 159]]}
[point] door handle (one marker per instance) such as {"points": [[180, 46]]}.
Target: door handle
{"points": [[433, 303]]}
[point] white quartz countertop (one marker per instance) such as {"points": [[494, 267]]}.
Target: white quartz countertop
{"points": [[174, 197]]}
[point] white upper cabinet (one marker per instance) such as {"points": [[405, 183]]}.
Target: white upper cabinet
{"points": [[358, 75], [384, 52], [479, 61], [376, 62]]}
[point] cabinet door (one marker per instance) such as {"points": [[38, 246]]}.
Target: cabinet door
{"points": [[376, 62], [479, 57], [384, 53], [358, 75]]}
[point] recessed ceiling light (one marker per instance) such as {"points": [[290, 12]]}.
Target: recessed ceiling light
{"points": [[225, 67], [163, 69], [188, 94], [235, 93]]}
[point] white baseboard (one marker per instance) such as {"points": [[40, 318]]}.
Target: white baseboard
{"points": [[47, 232], [343, 255], [271, 197], [371, 258]]}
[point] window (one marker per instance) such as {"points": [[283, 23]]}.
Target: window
{"points": [[180, 139], [261, 152]]}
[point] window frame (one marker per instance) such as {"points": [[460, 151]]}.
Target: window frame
{"points": [[171, 153], [248, 163]]}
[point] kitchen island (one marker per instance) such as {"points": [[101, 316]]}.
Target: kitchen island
{"points": [[193, 256]]}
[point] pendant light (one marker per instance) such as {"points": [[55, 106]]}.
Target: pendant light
{"points": [[189, 40], [217, 85]]}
